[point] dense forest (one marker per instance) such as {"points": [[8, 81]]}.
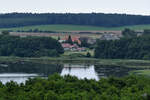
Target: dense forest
{"points": [[125, 48], [29, 46], [70, 88], [92, 19]]}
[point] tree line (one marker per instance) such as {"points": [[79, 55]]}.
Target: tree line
{"points": [[29, 46], [56, 87], [125, 48], [92, 19]]}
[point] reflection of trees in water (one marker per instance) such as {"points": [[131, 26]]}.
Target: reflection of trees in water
{"points": [[109, 70], [29, 67], [80, 71]]}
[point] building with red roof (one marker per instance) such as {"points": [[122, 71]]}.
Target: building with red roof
{"points": [[74, 39]]}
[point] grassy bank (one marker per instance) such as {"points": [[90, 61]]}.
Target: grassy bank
{"points": [[143, 66], [119, 62]]}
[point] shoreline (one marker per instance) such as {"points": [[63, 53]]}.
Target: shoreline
{"points": [[131, 63], [143, 66]]}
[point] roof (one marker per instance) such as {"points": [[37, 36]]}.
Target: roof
{"points": [[74, 39]]}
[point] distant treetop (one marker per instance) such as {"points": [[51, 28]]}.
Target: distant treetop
{"points": [[90, 19]]}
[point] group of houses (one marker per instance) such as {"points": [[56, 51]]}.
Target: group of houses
{"points": [[72, 47], [76, 45]]}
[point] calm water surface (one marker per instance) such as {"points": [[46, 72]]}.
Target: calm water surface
{"points": [[21, 71]]}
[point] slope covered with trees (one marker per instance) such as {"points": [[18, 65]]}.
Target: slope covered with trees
{"points": [[29, 46], [125, 48], [90, 19]]}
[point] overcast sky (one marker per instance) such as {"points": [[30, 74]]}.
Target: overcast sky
{"points": [[76, 6]]}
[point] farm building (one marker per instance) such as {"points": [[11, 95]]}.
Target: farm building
{"points": [[74, 39]]}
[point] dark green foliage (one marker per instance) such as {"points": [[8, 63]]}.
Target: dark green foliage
{"points": [[58, 38], [84, 42], [146, 31], [70, 88], [29, 46], [5, 32], [36, 30], [125, 48], [69, 40], [91, 19], [88, 55], [128, 33]]}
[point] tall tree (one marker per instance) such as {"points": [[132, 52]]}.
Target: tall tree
{"points": [[69, 40], [128, 33]]}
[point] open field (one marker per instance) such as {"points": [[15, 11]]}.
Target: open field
{"points": [[76, 28], [55, 35]]}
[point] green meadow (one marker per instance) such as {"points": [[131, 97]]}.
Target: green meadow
{"points": [[76, 28]]}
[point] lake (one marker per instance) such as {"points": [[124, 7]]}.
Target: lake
{"points": [[21, 71]]}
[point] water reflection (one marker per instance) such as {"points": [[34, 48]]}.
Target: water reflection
{"points": [[107, 71], [17, 77], [21, 71], [31, 68], [80, 71]]}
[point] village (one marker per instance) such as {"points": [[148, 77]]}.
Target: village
{"points": [[76, 41], [79, 44]]}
